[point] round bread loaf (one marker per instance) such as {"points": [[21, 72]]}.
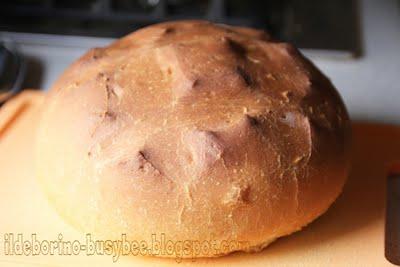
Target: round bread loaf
{"points": [[196, 132]]}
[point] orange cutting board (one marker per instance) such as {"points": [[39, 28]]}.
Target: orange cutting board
{"points": [[351, 233]]}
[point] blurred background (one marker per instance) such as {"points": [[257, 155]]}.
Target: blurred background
{"points": [[355, 42], [326, 24]]}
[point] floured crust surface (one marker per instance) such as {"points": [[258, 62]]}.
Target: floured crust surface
{"points": [[195, 130]]}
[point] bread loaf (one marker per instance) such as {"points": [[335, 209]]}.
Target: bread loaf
{"points": [[196, 131]]}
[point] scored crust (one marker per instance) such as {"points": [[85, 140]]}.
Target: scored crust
{"points": [[195, 130]]}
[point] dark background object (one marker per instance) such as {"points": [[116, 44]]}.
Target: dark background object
{"points": [[12, 70], [392, 229], [328, 24]]}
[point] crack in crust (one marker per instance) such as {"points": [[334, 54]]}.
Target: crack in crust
{"points": [[237, 195], [145, 165], [182, 82], [236, 47], [109, 114], [139, 164], [244, 75], [205, 149]]}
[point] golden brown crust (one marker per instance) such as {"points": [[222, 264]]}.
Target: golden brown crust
{"points": [[195, 130]]}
